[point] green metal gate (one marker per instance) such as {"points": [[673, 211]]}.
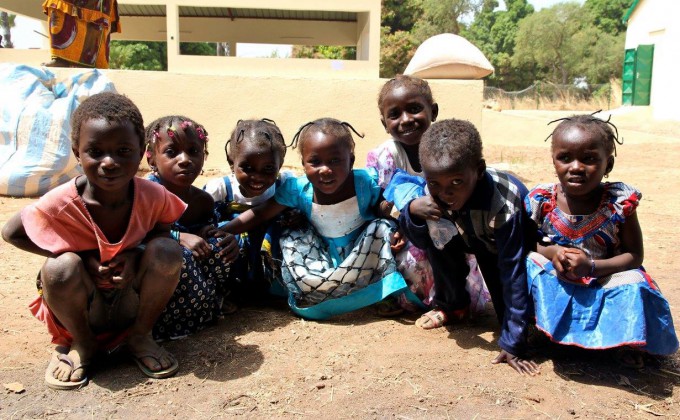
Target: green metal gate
{"points": [[637, 75]]}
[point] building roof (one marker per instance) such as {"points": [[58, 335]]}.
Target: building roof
{"points": [[630, 11], [234, 13]]}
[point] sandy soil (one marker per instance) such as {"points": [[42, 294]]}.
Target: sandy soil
{"points": [[263, 361]]}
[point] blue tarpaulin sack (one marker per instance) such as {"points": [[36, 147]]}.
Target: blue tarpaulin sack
{"points": [[35, 130]]}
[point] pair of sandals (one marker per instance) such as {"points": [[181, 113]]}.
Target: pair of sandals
{"points": [[60, 355]]}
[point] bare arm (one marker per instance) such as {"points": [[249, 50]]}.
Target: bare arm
{"points": [[255, 216], [14, 233]]}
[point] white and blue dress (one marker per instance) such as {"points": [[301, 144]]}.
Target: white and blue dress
{"points": [[622, 309], [342, 260]]}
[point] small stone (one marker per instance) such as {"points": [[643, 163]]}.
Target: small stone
{"points": [[320, 385]]}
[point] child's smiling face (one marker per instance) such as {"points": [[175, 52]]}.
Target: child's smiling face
{"points": [[327, 163], [451, 185], [256, 167], [178, 157], [110, 153], [406, 114], [580, 161]]}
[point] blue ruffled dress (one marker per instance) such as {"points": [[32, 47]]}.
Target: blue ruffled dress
{"points": [[623, 309]]}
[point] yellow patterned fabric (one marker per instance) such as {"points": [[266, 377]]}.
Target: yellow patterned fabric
{"points": [[80, 30]]}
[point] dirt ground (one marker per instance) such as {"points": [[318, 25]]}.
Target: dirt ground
{"points": [[265, 362]]}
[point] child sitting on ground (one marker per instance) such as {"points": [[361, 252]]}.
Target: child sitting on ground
{"points": [[342, 260], [407, 109], [469, 208], [255, 153], [587, 283], [176, 150], [111, 264]]}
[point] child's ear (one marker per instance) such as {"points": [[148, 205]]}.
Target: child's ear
{"points": [[150, 158], [481, 168], [382, 120], [76, 153], [610, 165], [352, 160], [435, 111]]}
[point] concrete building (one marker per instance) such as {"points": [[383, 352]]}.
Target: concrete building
{"points": [[652, 59], [218, 91]]}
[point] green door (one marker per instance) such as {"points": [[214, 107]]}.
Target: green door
{"points": [[642, 88], [628, 79]]}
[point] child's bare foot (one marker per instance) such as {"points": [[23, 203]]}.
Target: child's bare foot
{"points": [[153, 360], [57, 62]]}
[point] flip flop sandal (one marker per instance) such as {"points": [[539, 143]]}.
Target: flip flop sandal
{"points": [[435, 318], [156, 374], [55, 383]]}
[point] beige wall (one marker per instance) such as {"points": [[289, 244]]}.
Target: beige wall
{"points": [[218, 102], [655, 22]]}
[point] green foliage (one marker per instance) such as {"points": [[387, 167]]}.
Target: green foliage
{"points": [[493, 32], [607, 15], [132, 55], [152, 55], [564, 43], [332, 52], [396, 50]]}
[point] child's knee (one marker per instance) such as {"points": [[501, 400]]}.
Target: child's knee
{"points": [[163, 254], [62, 270]]}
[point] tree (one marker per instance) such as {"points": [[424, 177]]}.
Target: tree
{"points": [[607, 15], [151, 55], [493, 32], [6, 23], [333, 52], [407, 23], [548, 38]]}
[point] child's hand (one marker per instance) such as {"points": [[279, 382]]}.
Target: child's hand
{"points": [[207, 231], [122, 268], [425, 208], [385, 209], [292, 219], [397, 242], [198, 246], [229, 248], [100, 274], [572, 263], [522, 366]]}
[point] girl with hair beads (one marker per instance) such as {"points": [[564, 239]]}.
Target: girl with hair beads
{"points": [[255, 153], [464, 207], [587, 283], [342, 261], [176, 150], [407, 109], [111, 264]]}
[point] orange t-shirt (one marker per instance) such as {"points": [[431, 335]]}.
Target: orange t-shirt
{"points": [[59, 221]]}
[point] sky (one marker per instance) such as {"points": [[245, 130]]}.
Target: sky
{"points": [[24, 35]]}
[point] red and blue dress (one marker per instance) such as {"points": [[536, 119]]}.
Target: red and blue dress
{"points": [[622, 309]]}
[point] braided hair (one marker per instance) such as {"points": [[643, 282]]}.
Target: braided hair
{"points": [[260, 132], [329, 126], [605, 130]]}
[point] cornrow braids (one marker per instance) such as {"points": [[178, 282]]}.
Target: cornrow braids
{"points": [[111, 106], [262, 131], [171, 124], [329, 126], [605, 129], [401, 80], [454, 142]]}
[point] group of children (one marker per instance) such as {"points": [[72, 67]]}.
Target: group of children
{"points": [[425, 227]]}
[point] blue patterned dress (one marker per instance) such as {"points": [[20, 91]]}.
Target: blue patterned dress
{"points": [[197, 301], [623, 309]]}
